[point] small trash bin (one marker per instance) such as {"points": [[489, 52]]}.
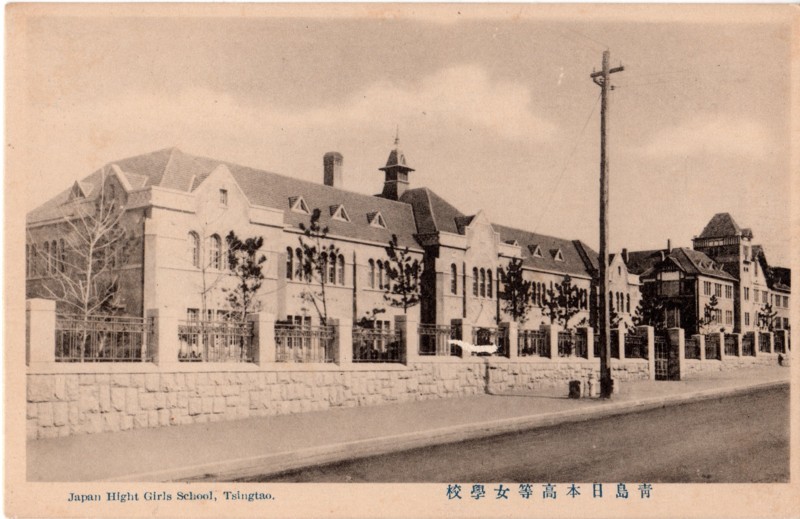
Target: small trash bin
{"points": [[574, 388]]}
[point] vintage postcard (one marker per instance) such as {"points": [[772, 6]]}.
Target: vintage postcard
{"points": [[400, 260]]}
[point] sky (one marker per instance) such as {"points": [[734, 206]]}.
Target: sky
{"points": [[495, 109]]}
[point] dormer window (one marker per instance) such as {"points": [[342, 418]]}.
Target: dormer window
{"points": [[376, 220], [298, 205], [338, 213], [513, 243], [557, 255], [536, 251]]}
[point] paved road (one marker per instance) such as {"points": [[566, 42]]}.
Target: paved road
{"points": [[737, 439]]}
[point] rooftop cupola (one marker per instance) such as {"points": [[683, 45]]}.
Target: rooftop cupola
{"points": [[396, 172]]}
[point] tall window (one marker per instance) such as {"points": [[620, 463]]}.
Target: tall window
{"points": [[194, 249], [475, 281], [728, 292], [706, 288], [746, 294], [223, 197], [483, 283], [628, 303], [215, 252], [332, 270], [728, 317], [380, 274], [453, 279], [755, 295], [718, 289], [371, 274], [611, 300], [489, 288], [340, 269], [747, 318], [289, 263]]}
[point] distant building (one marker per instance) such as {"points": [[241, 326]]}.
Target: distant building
{"points": [[723, 263]]}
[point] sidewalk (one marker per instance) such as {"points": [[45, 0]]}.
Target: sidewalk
{"points": [[223, 450]]}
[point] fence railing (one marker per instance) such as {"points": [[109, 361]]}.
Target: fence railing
{"points": [[613, 340], [566, 344], [731, 347], [763, 342], [435, 339], [712, 346], [635, 346], [370, 345], [780, 347], [102, 339], [302, 343], [581, 347], [692, 346], [533, 343], [485, 335], [748, 348], [215, 341]]}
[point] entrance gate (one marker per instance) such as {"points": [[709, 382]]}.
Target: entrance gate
{"points": [[667, 365]]}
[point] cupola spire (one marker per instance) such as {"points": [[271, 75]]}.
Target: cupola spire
{"points": [[396, 171]]}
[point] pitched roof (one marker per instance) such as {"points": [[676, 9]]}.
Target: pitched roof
{"points": [[174, 169], [721, 225], [690, 261]]}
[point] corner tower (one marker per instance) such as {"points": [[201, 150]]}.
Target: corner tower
{"points": [[396, 173]]}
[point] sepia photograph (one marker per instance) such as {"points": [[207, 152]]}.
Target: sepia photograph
{"points": [[511, 259]]}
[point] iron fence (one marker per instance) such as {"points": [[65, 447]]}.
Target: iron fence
{"points": [[780, 346], [102, 338], [581, 346], [763, 342], [215, 341], [613, 340], [566, 344], [371, 345], [692, 348], [731, 346], [435, 339], [533, 343], [748, 348], [485, 336], [712, 346], [304, 343], [635, 346]]}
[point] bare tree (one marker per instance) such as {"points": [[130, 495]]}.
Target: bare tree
{"points": [[80, 271], [403, 289]]}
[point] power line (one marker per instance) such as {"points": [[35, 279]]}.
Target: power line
{"points": [[566, 165]]}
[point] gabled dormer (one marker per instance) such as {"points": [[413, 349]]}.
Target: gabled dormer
{"points": [[80, 190], [375, 219], [536, 251], [339, 213], [298, 205], [513, 243], [557, 255]]}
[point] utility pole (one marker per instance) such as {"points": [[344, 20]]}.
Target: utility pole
{"points": [[603, 79]]}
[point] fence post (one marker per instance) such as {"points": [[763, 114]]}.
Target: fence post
{"points": [[701, 343], [166, 335], [620, 342], [408, 328], [552, 338], [721, 338], [40, 321], [676, 337], [344, 340], [649, 333], [465, 328], [511, 333], [588, 332], [738, 338], [263, 337]]}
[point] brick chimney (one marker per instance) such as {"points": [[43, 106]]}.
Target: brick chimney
{"points": [[669, 246], [332, 164]]}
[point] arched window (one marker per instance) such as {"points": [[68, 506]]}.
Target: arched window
{"points": [[483, 283], [62, 255], [453, 279], [380, 274], [323, 267], [475, 281], [371, 274], [298, 270], [628, 303], [215, 252], [340, 270], [332, 270], [610, 300], [47, 257], [289, 263], [194, 248], [489, 288]]}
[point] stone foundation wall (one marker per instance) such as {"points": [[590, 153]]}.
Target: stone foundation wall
{"points": [[694, 367], [66, 404], [511, 376]]}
